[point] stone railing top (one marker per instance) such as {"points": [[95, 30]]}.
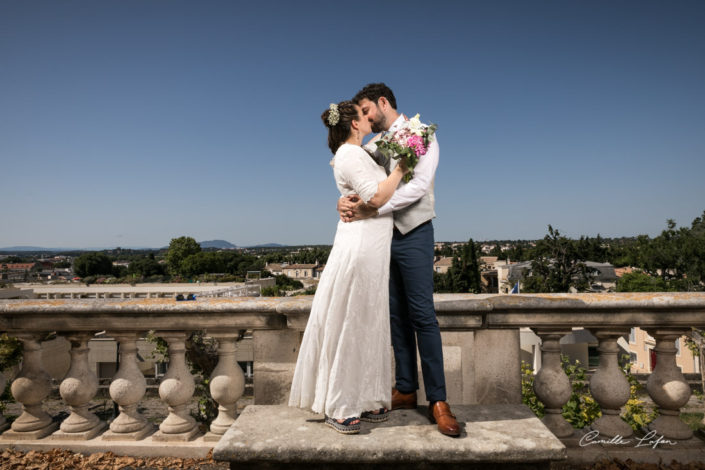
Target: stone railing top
{"points": [[455, 311]]}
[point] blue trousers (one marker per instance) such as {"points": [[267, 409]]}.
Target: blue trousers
{"points": [[412, 315]]}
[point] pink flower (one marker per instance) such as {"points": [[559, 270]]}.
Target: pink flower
{"points": [[416, 144]]}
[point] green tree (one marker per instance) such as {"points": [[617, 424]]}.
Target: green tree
{"points": [[592, 249], [180, 249], [677, 255], [284, 282], [145, 267], [202, 263], [640, 282], [442, 283], [93, 264], [557, 266], [464, 273]]}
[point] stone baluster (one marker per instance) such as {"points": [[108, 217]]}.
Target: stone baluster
{"points": [[667, 387], [176, 390], [127, 389], [31, 387], [610, 387], [77, 389], [227, 385], [551, 384]]}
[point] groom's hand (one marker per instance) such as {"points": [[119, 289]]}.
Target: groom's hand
{"points": [[347, 206], [362, 211]]}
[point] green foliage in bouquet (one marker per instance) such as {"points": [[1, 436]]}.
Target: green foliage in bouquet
{"points": [[409, 143]]}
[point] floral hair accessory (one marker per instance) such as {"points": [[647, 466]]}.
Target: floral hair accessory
{"points": [[334, 115]]}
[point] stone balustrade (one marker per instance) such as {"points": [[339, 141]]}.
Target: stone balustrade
{"points": [[481, 350]]}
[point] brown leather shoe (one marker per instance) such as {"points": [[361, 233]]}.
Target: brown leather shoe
{"points": [[440, 413], [403, 401]]}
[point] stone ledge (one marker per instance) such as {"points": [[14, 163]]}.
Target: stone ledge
{"points": [[492, 436], [147, 447]]}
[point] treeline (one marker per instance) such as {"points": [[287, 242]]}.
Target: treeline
{"points": [[294, 255], [671, 261], [184, 259]]}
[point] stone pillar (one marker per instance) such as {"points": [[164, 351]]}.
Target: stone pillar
{"points": [[551, 384], [176, 390], [127, 389], [474, 377], [610, 387], [275, 354], [31, 387], [77, 389], [667, 387], [227, 385], [497, 374]]}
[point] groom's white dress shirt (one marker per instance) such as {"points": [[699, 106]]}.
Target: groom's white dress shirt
{"points": [[422, 181]]}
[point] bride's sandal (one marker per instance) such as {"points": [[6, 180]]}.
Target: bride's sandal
{"points": [[375, 417], [346, 427]]}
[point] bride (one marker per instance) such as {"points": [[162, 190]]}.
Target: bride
{"points": [[344, 364]]}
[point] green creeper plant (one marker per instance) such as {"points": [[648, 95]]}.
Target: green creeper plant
{"points": [[581, 409], [635, 413], [528, 397], [10, 356]]}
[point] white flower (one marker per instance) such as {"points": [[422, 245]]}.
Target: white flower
{"points": [[415, 125], [334, 115]]}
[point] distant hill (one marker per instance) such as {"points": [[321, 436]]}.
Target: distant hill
{"points": [[268, 245], [39, 249], [219, 244], [25, 248]]}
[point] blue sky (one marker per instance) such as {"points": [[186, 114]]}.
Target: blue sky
{"points": [[128, 123]]}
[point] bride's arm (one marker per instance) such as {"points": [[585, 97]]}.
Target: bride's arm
{"points": [[353, 168], [386, 188]]}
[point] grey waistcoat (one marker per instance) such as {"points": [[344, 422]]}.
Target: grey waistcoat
{"points": [[410, 217]]}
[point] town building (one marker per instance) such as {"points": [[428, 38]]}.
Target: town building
{"points": [[643, 355], [300, 271], [18, 272], [442, 264]]}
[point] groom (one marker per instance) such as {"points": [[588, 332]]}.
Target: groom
{"points": [[412, 315]]}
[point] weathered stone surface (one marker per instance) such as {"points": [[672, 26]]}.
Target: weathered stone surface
{"points": [[455, 312], [275, 361], [490, 433], [497, 375], [147, 447]]}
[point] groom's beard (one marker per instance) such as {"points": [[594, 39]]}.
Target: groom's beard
{"points": [[379, 126]]}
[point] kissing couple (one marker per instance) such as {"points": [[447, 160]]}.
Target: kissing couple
{"points": [[384, 238]]}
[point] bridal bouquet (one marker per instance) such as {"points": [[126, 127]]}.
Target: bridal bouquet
{"points": [[410, 142]]}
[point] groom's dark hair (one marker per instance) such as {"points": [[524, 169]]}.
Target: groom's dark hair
{"points": [[373, 92]]}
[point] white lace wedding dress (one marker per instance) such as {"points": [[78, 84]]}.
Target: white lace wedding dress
{"points": [[344, 363]]}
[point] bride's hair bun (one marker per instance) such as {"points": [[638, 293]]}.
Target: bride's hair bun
{"points": [[337, 119]]}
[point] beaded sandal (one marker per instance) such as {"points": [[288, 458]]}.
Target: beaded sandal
{"points": [[371, 417], [346, 427]]}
